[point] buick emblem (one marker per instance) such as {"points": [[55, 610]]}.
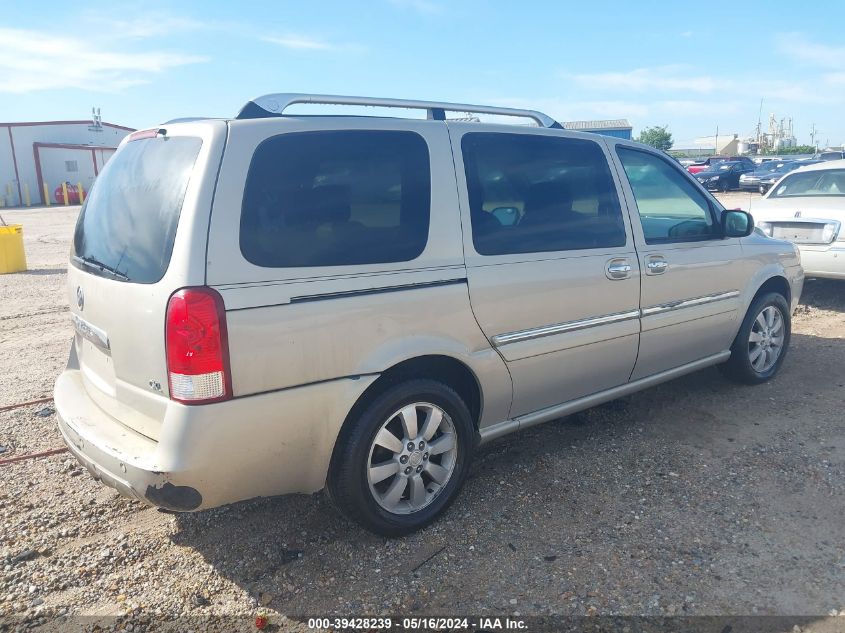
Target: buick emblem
{"points": [[80, 298]]}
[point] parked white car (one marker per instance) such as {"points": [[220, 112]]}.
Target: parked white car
{"points": [[807, 207]]}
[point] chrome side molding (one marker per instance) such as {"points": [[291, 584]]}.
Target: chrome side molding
{"points": [[559, 328], [689, 303], [616, 317]]}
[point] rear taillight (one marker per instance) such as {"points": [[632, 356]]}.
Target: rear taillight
{"points": [[197, 347]]}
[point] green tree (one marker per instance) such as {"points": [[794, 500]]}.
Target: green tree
{"points": [[799, 149], [657, 136]]}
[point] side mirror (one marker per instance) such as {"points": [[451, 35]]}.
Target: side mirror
{"points": [[736, 223]]}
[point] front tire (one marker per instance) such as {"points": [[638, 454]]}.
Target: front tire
{"points": [[401, 462], [760, 346]]}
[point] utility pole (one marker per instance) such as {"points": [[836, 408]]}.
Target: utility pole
{"points": [[716, 148], [813, 134]]}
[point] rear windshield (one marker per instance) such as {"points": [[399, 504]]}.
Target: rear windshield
{"points": [[127, 225], [828, 182]]}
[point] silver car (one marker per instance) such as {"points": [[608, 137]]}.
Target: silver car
{"points": [[278, 303]]}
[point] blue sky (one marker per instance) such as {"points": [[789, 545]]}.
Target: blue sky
{"points": [[690, 65]]}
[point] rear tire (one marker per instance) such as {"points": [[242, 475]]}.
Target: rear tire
{"points": [[401, 462], [761, 345]]}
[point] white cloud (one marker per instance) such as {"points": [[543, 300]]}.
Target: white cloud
{"points": [[799, 48], [299, 42], [36, 60], [424, 7], [660, 78], [145, 27]]}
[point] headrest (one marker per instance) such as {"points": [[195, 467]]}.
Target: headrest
{"points": [[543, 195]]}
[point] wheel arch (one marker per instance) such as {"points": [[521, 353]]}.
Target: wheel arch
{"points": [[776, 283], [446, 369]]}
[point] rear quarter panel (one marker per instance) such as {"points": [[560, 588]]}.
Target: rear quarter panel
{"points": [[296, 326]]}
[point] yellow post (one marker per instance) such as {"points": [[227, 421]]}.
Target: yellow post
{"points": [[64, 193], [46, 195], [26, 198], [79, 191]]}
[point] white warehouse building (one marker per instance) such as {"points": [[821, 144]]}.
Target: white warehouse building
{"points": [[48, 153]]}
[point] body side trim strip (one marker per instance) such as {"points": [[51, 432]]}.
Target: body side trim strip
{"points": [[356, 293], [559, 328], [689, 303]]}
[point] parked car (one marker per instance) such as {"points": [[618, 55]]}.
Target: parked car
{"points": [[750, 181], [765, 183], [807, 207], [832, 155], [355, 303], [724, 176], [711, 162]]}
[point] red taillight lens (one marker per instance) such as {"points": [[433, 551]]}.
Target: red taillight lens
{"points": [[197, 347]]}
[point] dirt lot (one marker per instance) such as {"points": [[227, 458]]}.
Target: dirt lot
{"points": [[697, 497]]}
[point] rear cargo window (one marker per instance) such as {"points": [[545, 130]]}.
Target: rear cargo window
{"points": [[336, 198], [128, 223]]}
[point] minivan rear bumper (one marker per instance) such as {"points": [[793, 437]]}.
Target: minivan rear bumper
{"points": [[210, 455]]}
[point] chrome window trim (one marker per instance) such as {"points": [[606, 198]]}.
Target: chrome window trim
{"points": [[560, 328], [688, 303]]}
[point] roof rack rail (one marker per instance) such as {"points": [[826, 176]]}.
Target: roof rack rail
{"points": [[276, 104]]}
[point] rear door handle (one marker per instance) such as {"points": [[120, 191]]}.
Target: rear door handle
{"points": [[617, 269], [656, 265]]}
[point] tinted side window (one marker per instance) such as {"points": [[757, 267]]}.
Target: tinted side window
{"points": [[671, 208], [336, 198], [531, 193]]}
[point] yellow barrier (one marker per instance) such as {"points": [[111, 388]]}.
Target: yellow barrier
{"points": [[27, 199], [46, 195], [64, 193], [80, 194], [12, 256]]}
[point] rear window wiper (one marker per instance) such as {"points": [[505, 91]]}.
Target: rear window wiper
{"points": [[93, 262]]}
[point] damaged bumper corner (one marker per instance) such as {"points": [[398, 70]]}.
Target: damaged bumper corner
{"points": [[129, 480]]}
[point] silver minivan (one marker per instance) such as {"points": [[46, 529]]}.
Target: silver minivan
{"points": [[282, 303]]}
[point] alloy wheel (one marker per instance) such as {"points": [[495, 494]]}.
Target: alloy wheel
{"points": [[765, 342], [412, 458]]}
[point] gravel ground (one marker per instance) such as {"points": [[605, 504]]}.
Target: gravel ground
{"points": [[697, 497]]}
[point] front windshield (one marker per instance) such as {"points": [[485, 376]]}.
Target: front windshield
{"points": [[830, 182]]}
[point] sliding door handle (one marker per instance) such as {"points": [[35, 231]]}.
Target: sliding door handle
{"points": [[617, 269], [656, 266]]}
